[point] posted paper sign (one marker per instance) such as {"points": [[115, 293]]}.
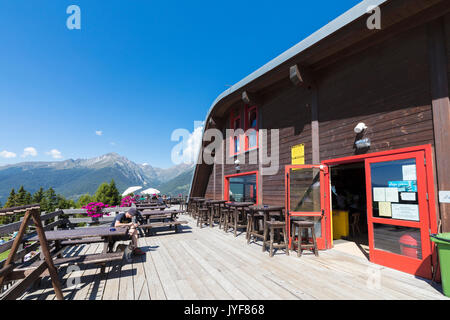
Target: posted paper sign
{"points": [[405, 212], [385, 194], [379, 194], [385, 209], [409, 172], [391, 194], [444, 196], [408, 196]]}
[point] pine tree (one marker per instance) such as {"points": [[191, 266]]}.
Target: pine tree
{"points": [[11, 202], [84, 200], [114, 194], [52, 200], [101, 195], [38, 196], [23, 197]]}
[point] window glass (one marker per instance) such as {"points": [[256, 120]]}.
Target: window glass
{"points": [[404, 241], [243, 188], [394, 190], [304, 190]]}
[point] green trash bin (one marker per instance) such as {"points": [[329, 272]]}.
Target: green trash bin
{"points": [[443, 243]]}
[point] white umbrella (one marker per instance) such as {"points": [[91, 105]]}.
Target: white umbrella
{"points": [[151, 191], [130, 190]]}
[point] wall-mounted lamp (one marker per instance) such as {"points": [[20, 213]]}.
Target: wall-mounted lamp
{"points": [[237, 163], [360, 127], [363, 143]]}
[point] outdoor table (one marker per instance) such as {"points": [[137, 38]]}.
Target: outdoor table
{"points": [[197, 203], [109, 237], [216, 205], [160, 207], [147, 214], [239, 215], [268, 213]]}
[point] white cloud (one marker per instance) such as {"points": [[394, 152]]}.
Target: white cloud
{"points": [[30, 151], [192, 149], [7, 154], [55, 154], [99, 133], [112, 143]]}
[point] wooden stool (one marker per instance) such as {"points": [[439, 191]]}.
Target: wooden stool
{"points": [[270, 227], [223, 215], [226, 212], [301, 226], [202, 216]]}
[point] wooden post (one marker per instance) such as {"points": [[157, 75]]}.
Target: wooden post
{"points": [[48, 258], [441, 111], [12, 253], [315, 126]]}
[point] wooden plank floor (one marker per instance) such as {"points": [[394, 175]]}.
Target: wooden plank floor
{"points": [[211, 264]]}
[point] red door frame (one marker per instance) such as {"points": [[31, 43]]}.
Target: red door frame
{"points": [[226, 188], [322, 243], [430, 183], [417, 267]]}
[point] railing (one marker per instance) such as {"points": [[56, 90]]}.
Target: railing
{"points": [[60, 219]]}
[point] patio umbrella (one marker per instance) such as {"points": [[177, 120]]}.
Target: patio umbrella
{"points": [[151, 191], [130, 190]]}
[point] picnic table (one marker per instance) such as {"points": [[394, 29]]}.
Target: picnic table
{"points": [[170, 217], [107, 235], [146, 207]]}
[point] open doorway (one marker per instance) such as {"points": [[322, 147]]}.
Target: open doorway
{"points": [[349, 208]]}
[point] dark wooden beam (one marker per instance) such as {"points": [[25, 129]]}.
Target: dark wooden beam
{"points": [[251, 98], [441, 110], [301, 76]]}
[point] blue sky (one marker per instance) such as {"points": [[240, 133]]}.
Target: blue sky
{"points": [[136, 71]]}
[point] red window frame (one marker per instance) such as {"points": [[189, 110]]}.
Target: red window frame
{"points": [[226, 190], [233, 119], [248, 111]]}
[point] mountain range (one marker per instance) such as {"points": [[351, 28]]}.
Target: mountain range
{"points": [[73, 178]]}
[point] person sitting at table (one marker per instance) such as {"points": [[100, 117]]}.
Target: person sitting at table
{"points": [[125, 219]]}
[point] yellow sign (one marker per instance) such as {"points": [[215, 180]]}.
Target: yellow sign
{"points": [[298, 154]]}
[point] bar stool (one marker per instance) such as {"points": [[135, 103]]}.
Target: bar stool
{"points": [[271, 227], [226, 212], [202, 216], [304, 226], [223, 215]]}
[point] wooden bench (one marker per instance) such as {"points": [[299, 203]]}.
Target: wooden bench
{"points": [[150, 226], [82, 241]]}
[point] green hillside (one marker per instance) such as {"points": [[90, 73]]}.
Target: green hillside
{"points": [[178, 185]]}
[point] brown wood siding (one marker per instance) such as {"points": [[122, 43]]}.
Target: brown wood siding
{"points": [[447, 37], [386, 87]]}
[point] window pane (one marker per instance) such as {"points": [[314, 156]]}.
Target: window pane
{"points": [[394, 190], [237, 147], [400, 240], [252, 118], [252, 138], [304, 192], [243, 188]]}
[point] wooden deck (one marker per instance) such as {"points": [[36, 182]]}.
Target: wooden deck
{"points": [[208, 264]]}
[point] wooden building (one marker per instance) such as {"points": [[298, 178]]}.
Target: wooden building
{"points": [[363, 115]]}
